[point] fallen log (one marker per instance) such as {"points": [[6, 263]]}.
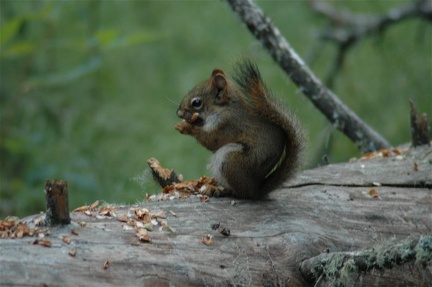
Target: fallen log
{"points": [[312, 232]]}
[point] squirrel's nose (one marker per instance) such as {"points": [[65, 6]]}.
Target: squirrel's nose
{"points": [[180, 113]]}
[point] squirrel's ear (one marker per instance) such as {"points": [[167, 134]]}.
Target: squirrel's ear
{"points": [[219, 81], [217, 71]]}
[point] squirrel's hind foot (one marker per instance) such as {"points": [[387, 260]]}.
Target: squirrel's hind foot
{"points": [[219, 191]]}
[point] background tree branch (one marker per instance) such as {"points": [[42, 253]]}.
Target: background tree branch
{"points": [[345, 29], [342, 118]]}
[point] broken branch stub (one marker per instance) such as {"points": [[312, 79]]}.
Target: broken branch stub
{"points": [[161, 175], [419, 127], [57, 203], [342, 118]]}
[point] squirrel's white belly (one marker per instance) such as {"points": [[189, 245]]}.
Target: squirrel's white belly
{"points": [[219, 158]]}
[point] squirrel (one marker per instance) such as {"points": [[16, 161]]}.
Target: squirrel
{"points": [[256, 142]]}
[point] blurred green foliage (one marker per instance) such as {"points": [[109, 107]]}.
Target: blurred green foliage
{"points": [[89, 89]]}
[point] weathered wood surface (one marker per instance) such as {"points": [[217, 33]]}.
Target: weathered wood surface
{"points": [[327, 209]]}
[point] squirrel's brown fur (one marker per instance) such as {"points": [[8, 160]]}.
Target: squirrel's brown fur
{"points": [[256, 141]]}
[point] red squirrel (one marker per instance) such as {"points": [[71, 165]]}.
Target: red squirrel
{"points": [[256, 142]]}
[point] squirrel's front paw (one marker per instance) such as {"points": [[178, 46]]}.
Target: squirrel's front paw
{"points": [[184, 127]]}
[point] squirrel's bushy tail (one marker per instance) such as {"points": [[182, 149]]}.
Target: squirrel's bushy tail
{"points": [[249, 80]]}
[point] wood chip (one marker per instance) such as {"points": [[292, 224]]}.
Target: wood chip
{"points": [[43, 242], [12, 228], [373, 193], [145, 239], [66, 239], [72, 252], [207, 239], [383, 153], [81, 208], [105, 264], [94, 205], [142, 232], [174, 185], [107, 211], [122, 217]]}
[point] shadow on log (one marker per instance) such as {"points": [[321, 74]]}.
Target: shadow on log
{"points": [[381, 204]]}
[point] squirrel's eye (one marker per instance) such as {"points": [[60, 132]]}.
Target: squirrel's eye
{"points": [[196, 103]]}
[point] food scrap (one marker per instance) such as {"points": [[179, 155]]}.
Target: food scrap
{"points": [[72, 252], [105, 264], [144, 239], [91, 207], [203, 198], [104, 211], [142, 235], [202, 188], [143, 220], [173, 186], [66, 239], [43, 242], [373, 193], [94, 205], [384, 153], [207, 239], [13, 228], [194, 117]]}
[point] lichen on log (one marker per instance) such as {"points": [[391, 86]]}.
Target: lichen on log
{"points": [[344, 268]]}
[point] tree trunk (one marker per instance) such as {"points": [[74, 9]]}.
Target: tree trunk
{"points": [[363, 223]]}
